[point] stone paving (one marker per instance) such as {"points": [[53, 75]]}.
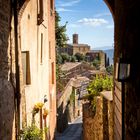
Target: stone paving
{"points": [[73, 132]]}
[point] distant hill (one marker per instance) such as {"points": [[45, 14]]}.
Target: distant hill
{"points": [[110, 54], [103, 48]]}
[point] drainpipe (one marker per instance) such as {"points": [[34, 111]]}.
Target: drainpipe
{"points": [[17, 94]]}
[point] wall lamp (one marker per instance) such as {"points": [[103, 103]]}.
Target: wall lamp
{"points": [[122, 73], [45, 98]]}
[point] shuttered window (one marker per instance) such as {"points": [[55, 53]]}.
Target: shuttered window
{"points": [[40, 14], [26, 67], [53, 79], [41, 49]]}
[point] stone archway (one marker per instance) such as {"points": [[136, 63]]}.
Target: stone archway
{"points": [[110, 4], [22, 6], [126, 38]]}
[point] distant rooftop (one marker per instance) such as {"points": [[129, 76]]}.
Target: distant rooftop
{"points": [[69, 65], [97, 51], [78, 45], [80, 80]]}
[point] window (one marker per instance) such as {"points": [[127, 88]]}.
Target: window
{"points": [[40, 12], [26, 67], [41, 49], [49, 50], [51, 4], [51, 7], [53, 73]]}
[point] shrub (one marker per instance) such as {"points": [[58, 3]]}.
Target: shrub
{"points": [[31, 133], [96, 63], [99, 84]]}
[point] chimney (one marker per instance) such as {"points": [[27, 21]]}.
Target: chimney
{"points": [[75, 38]]}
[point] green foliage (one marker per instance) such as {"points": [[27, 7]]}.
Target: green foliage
{"points": [[73, 59], [31, 133], [99, 84], [57, 72], [59, 82], [79, 57], [72, 96], [60, 32], [96, 63], [107, 83], [109, 69], [65, 57], [59, 59]]}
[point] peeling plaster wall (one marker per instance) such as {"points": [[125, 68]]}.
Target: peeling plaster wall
{"points": [[30, 40]]}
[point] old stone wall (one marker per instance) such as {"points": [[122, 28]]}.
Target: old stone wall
{"points": [[7, 72], [102, 57], [82, 49], [98, 125], [93, 123]]}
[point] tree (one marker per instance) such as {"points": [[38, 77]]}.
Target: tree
{"points": [[59, 59], [61, 39], [73, 58], [65, 57], [79, 57], [109, 69], [60, 32], [96, 63]]}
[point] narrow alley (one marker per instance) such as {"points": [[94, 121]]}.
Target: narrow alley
{"points": [[73, 132]]}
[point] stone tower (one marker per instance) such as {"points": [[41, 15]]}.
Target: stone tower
{"points": [[75, 38]]}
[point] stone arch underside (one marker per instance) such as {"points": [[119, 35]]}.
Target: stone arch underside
{"points": [[111, 6], [133, 85]]}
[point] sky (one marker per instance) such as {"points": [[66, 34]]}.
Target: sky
{"points": [[91, 19]]}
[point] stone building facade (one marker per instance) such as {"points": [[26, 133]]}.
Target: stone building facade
{"points": [[75, 47], [27, 59]]}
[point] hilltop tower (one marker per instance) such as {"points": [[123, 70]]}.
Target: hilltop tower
{"points": [[75, 38]]}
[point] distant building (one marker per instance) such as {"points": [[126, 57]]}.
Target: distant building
{"points": [[75, 47], [91, 55]]}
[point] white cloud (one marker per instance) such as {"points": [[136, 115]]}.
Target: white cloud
{"points": [[68, 3], [63, 10], [93, 21], [110, 26], [102, 14]]}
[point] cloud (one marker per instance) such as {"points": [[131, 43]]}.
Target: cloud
{"points": [[102, 14], [63, 10], [93, 21], [110, 26], [68, 3]]}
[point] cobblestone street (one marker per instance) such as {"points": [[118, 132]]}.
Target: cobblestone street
{"points": [[73, 132]]}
